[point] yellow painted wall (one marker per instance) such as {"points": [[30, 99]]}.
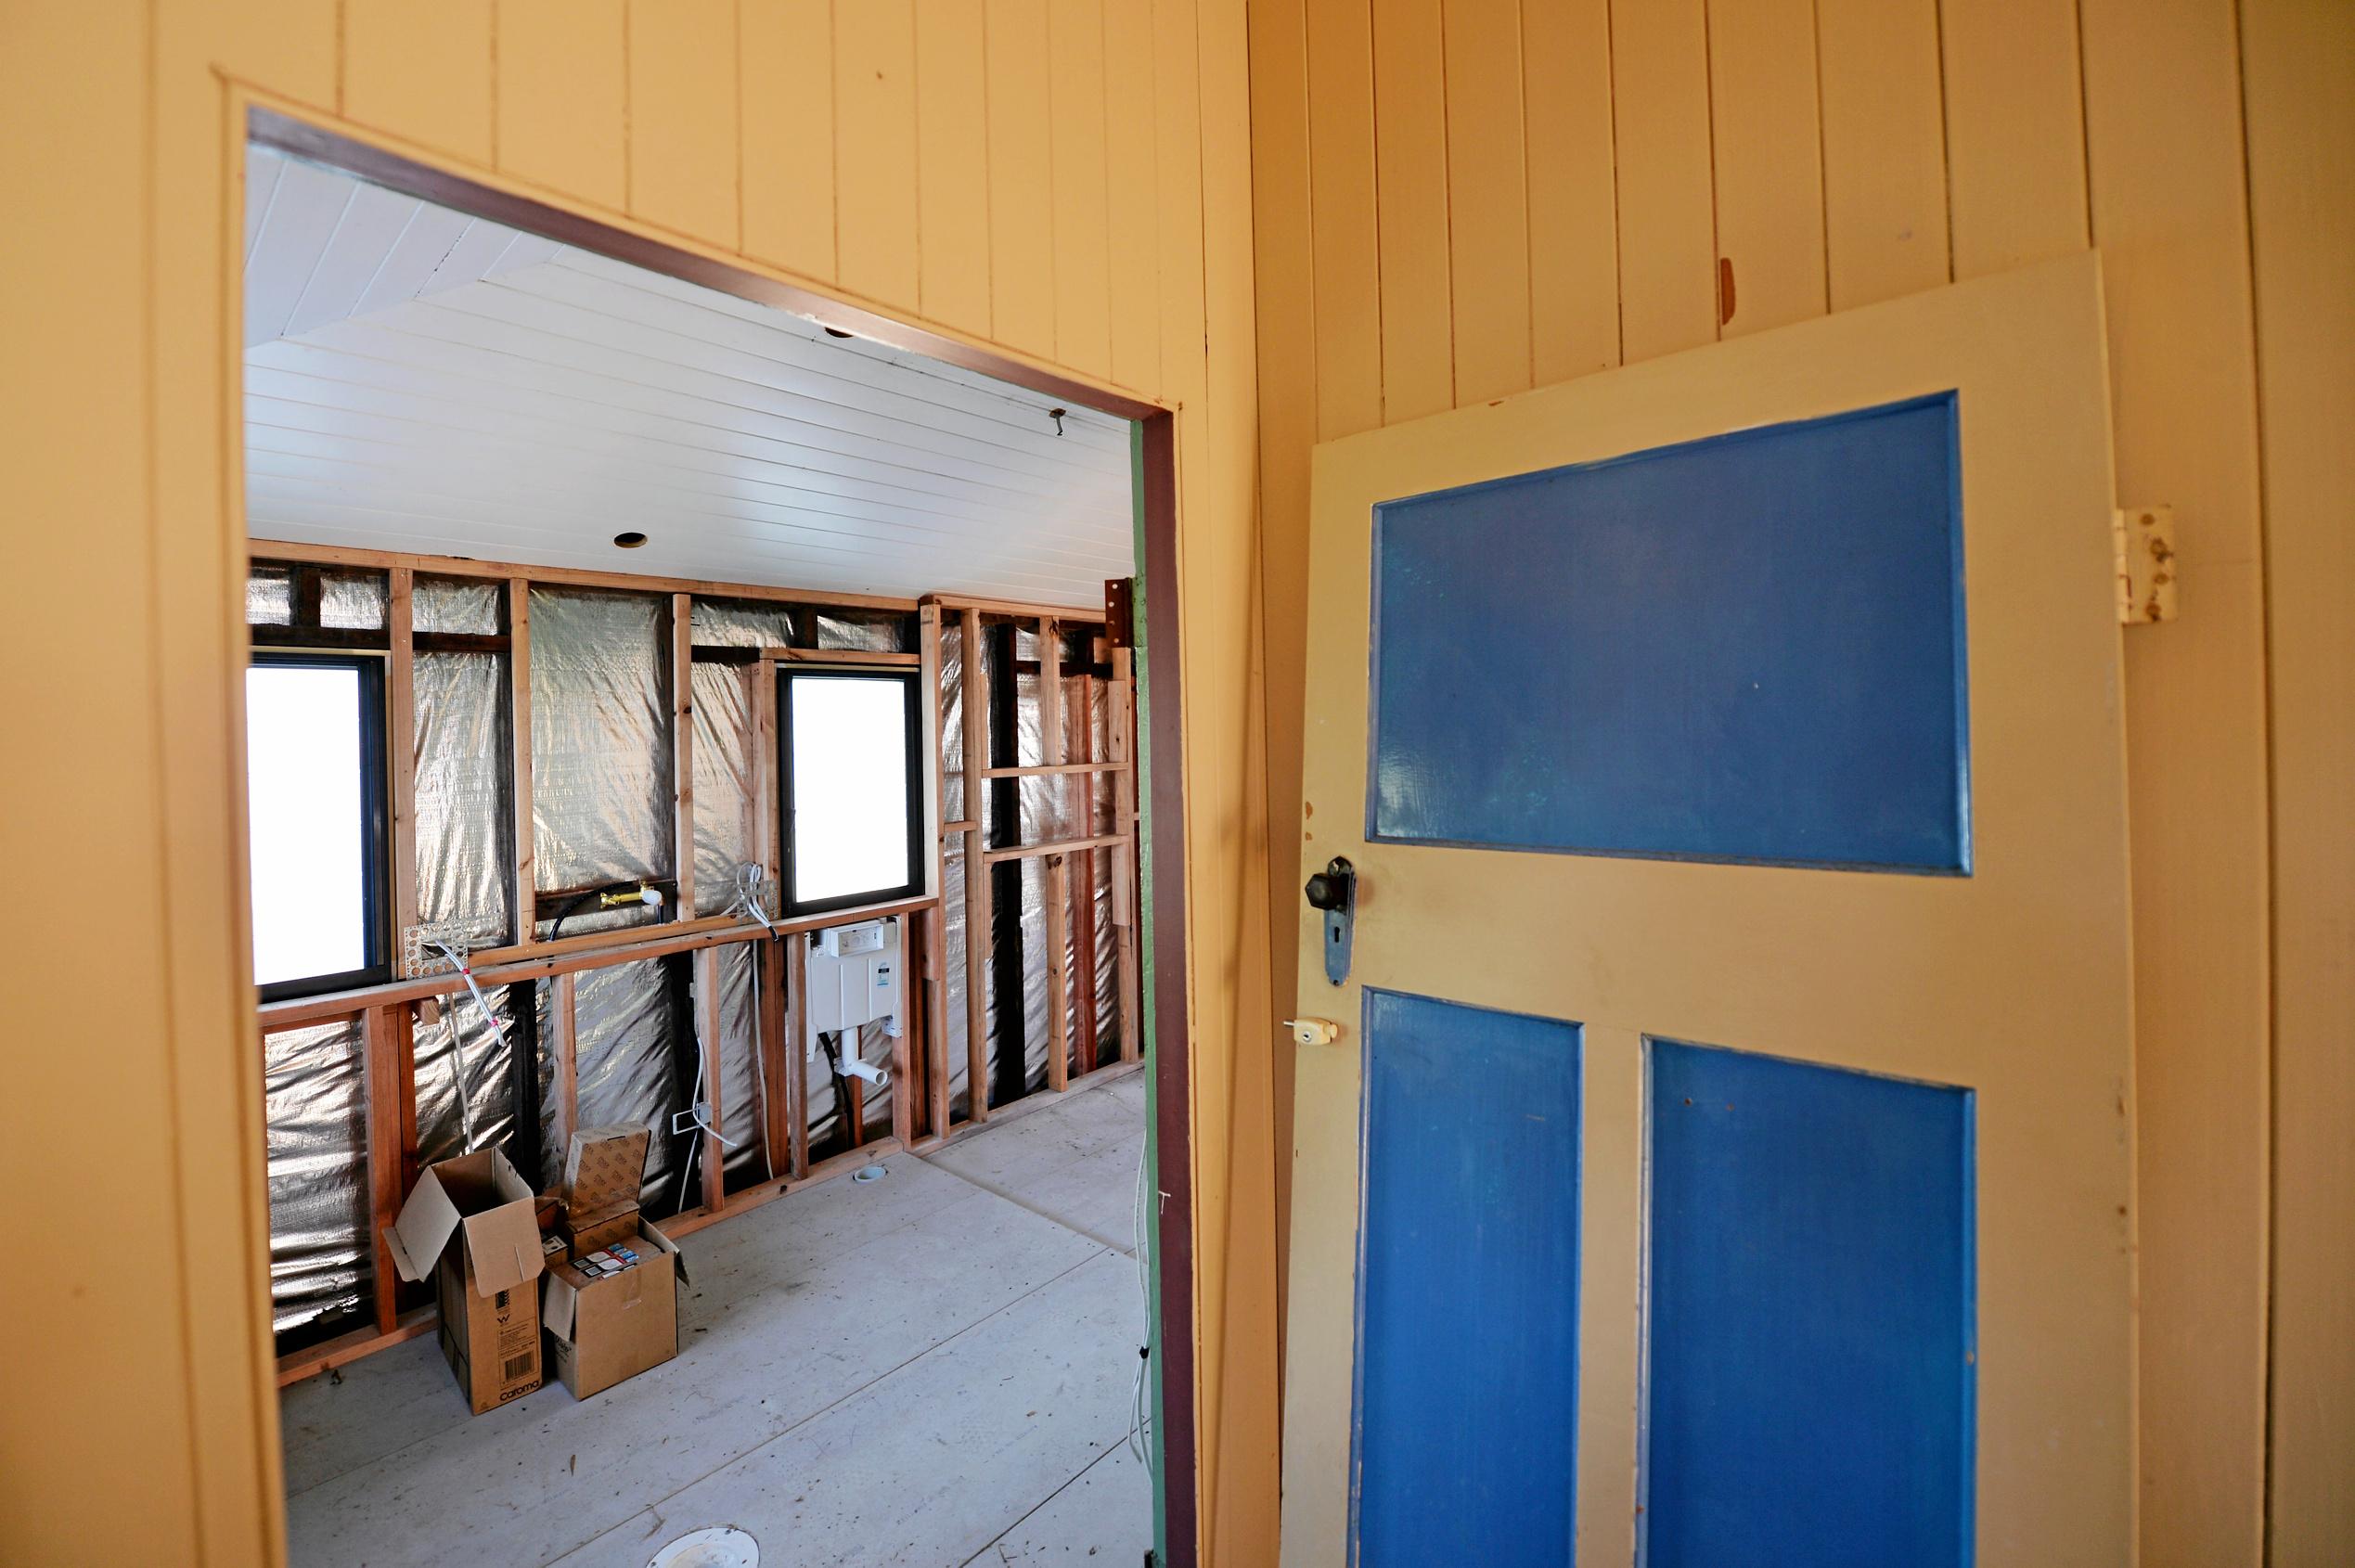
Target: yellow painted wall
{"points": [[949, 162], [1458, 200]]}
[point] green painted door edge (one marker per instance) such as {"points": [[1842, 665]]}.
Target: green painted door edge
{"points": [[1151, 1241]]}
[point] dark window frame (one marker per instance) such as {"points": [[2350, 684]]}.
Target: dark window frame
{"points": [[374, 820], [910, 680]]}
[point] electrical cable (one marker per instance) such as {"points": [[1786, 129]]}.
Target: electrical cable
{"points": [[457, 1042], [1141, 1437], [751, 899], [700, 1112]]}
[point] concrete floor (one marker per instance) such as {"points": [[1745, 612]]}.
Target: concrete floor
{"points": [[929, 1369]]}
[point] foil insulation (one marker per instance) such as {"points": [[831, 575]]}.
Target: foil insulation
{"points": [[1095, 901], [322, 1264], [825, 1090], [1033, 799], [743, 1113], [1047, 809], [269, 596], [601, 745], [953, 808], [952, 1001], [351, 600], [456, 604], [459, 1049], [632, 1065], [354, 601], [600, 748], [463, 834], [875, 1048], [742, 623], [952, 720], [867, 631], [725, 776], [1035, 1036]]}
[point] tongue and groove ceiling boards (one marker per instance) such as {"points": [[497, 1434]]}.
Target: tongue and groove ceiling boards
{"points": [[417, 379]]}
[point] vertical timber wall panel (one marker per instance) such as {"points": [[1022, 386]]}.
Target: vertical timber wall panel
{"points": [[1769, 163], [1660, 121], [62, 310], [171, 1269], [1341, 129], [1075, 121], [564, 91], [875, 183], [682, 118], [1417, 340], [422, 70], [2299, 73], [1883, 149], [1022, 177], [2170, 215], [785, 66], [1488, 196], [2014, 132], [952, 164], [1956, 139], [1574, 190]]}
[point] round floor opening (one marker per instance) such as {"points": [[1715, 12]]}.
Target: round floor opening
{"points": [[718, 1547]]}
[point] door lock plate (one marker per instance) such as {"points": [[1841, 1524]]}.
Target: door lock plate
{"points": [[1334, 891]]}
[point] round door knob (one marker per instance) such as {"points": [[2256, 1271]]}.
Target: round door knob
{"points": [[1328, 888]]}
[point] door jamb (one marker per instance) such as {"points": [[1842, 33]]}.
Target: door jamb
{"points": [[1166, 1035]]}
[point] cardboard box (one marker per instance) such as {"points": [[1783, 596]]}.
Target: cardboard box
{"points": [[470, 1223], [604, 1170], [603, 1327], [601, 1330]]}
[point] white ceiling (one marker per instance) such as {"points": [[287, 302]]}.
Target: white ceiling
{"points": [[417, 379]]}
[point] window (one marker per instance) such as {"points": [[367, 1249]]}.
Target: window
{"points": [[314, 794], [847, 744]]}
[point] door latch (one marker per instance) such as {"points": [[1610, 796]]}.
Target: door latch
{"points": [[1334, 891], [1313, 1031]]}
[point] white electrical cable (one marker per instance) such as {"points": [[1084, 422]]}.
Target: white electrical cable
{"points": [[699, 1110], [458, 1041], [1140, 1436], [749, 897], [749, 901]]}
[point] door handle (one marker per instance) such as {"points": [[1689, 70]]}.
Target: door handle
{"points": [[1313, 1031], [1334, 891]]}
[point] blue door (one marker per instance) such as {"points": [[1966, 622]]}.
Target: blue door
{"points": [[1714, 1020]]}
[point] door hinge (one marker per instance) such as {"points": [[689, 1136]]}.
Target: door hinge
{"points": [[2143, 538]]}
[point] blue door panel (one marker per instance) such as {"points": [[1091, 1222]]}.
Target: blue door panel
{"points": [[1809, 1392], [1465, 1424], [1745, 648]]}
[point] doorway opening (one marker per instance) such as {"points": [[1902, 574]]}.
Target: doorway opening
{"points": [[698, 725]]}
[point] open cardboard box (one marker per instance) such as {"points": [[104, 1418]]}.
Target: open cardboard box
{"points": [[604, 1328], [469, 1222]]}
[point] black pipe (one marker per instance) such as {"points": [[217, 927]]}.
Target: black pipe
{"points": [[523, 1067], [678, 978]]}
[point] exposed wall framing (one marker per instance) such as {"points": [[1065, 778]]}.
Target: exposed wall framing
{"points": [[986, 834], [1089, 774]]}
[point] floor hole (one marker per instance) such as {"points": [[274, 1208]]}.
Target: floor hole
{"points": [[718, 1547]]}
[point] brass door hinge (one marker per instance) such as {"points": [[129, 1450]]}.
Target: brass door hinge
{"points": [[2144, 540]]}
